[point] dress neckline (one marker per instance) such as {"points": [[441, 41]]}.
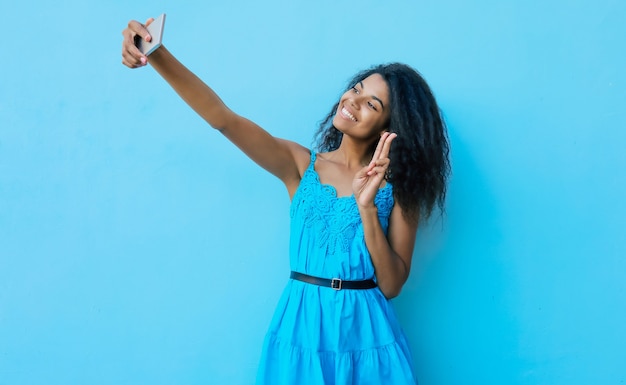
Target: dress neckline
{"points": [[329, 187]]}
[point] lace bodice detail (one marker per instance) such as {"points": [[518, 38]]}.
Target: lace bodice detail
{"points": [[335, 219]]}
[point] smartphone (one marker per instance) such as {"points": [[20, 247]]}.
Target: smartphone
{"points": [[156, 31]]}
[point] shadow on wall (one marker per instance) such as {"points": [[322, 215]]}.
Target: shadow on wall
{"points": [[454, 306]]}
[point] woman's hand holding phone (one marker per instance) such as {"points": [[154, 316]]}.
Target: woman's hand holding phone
{"points": [[141, 40]]}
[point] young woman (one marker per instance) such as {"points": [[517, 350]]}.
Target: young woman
{"points": [[355, 208]]}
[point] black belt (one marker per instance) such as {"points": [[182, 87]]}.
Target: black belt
{"points": [[334, 283]]}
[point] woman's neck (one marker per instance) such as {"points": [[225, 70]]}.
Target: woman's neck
{"points": [[352, 155]]}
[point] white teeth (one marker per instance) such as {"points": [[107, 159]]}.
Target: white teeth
{"points": [[348, 114]]}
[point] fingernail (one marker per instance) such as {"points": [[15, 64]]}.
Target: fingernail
{"points": [[148, 38], [143, 60]]}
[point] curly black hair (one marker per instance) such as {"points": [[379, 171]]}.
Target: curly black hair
{"points": [[420, 165]]}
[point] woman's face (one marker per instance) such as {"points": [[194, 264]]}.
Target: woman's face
{"points": [[363, 111]]}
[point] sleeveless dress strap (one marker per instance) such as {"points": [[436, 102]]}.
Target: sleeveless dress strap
{"points": [[312, 163]]}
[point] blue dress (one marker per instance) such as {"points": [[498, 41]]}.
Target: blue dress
{"points": [[321, 336]]}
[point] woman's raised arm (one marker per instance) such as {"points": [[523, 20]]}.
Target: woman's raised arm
{"points": [[282, 158]]}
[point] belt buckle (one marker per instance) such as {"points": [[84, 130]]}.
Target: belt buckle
{"points": [[335, 283]]}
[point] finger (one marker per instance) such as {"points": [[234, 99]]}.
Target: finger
{"points": [[377, 152], [379, 171], [379, 146], [361, 173], [139, 29], [131, 63], [136, 30], [131, 56], [130, 52], [379, 167], [387, 145]]}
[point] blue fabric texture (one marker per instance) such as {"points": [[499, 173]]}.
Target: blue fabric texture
{"points": [[321, 336]]}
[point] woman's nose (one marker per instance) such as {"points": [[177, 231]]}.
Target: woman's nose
{"points": [[354, 102]]}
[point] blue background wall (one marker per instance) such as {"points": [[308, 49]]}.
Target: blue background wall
{"points": [[137, 246]]}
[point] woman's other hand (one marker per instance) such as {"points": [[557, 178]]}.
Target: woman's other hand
{"points": [[368, 180]]}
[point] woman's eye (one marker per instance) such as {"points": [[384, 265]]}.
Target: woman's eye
{"points": [[356, 91], [372, 106]]}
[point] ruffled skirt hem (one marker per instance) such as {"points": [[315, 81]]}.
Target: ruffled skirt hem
{"points": [[285, 364]]}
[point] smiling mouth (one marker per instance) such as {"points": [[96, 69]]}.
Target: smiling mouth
{"points": [[347, 114]]}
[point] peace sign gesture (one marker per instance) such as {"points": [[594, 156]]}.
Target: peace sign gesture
{"points": [[367, 181]]}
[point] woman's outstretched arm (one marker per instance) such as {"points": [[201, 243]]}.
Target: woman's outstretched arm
{"points": [[282, 158]]}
